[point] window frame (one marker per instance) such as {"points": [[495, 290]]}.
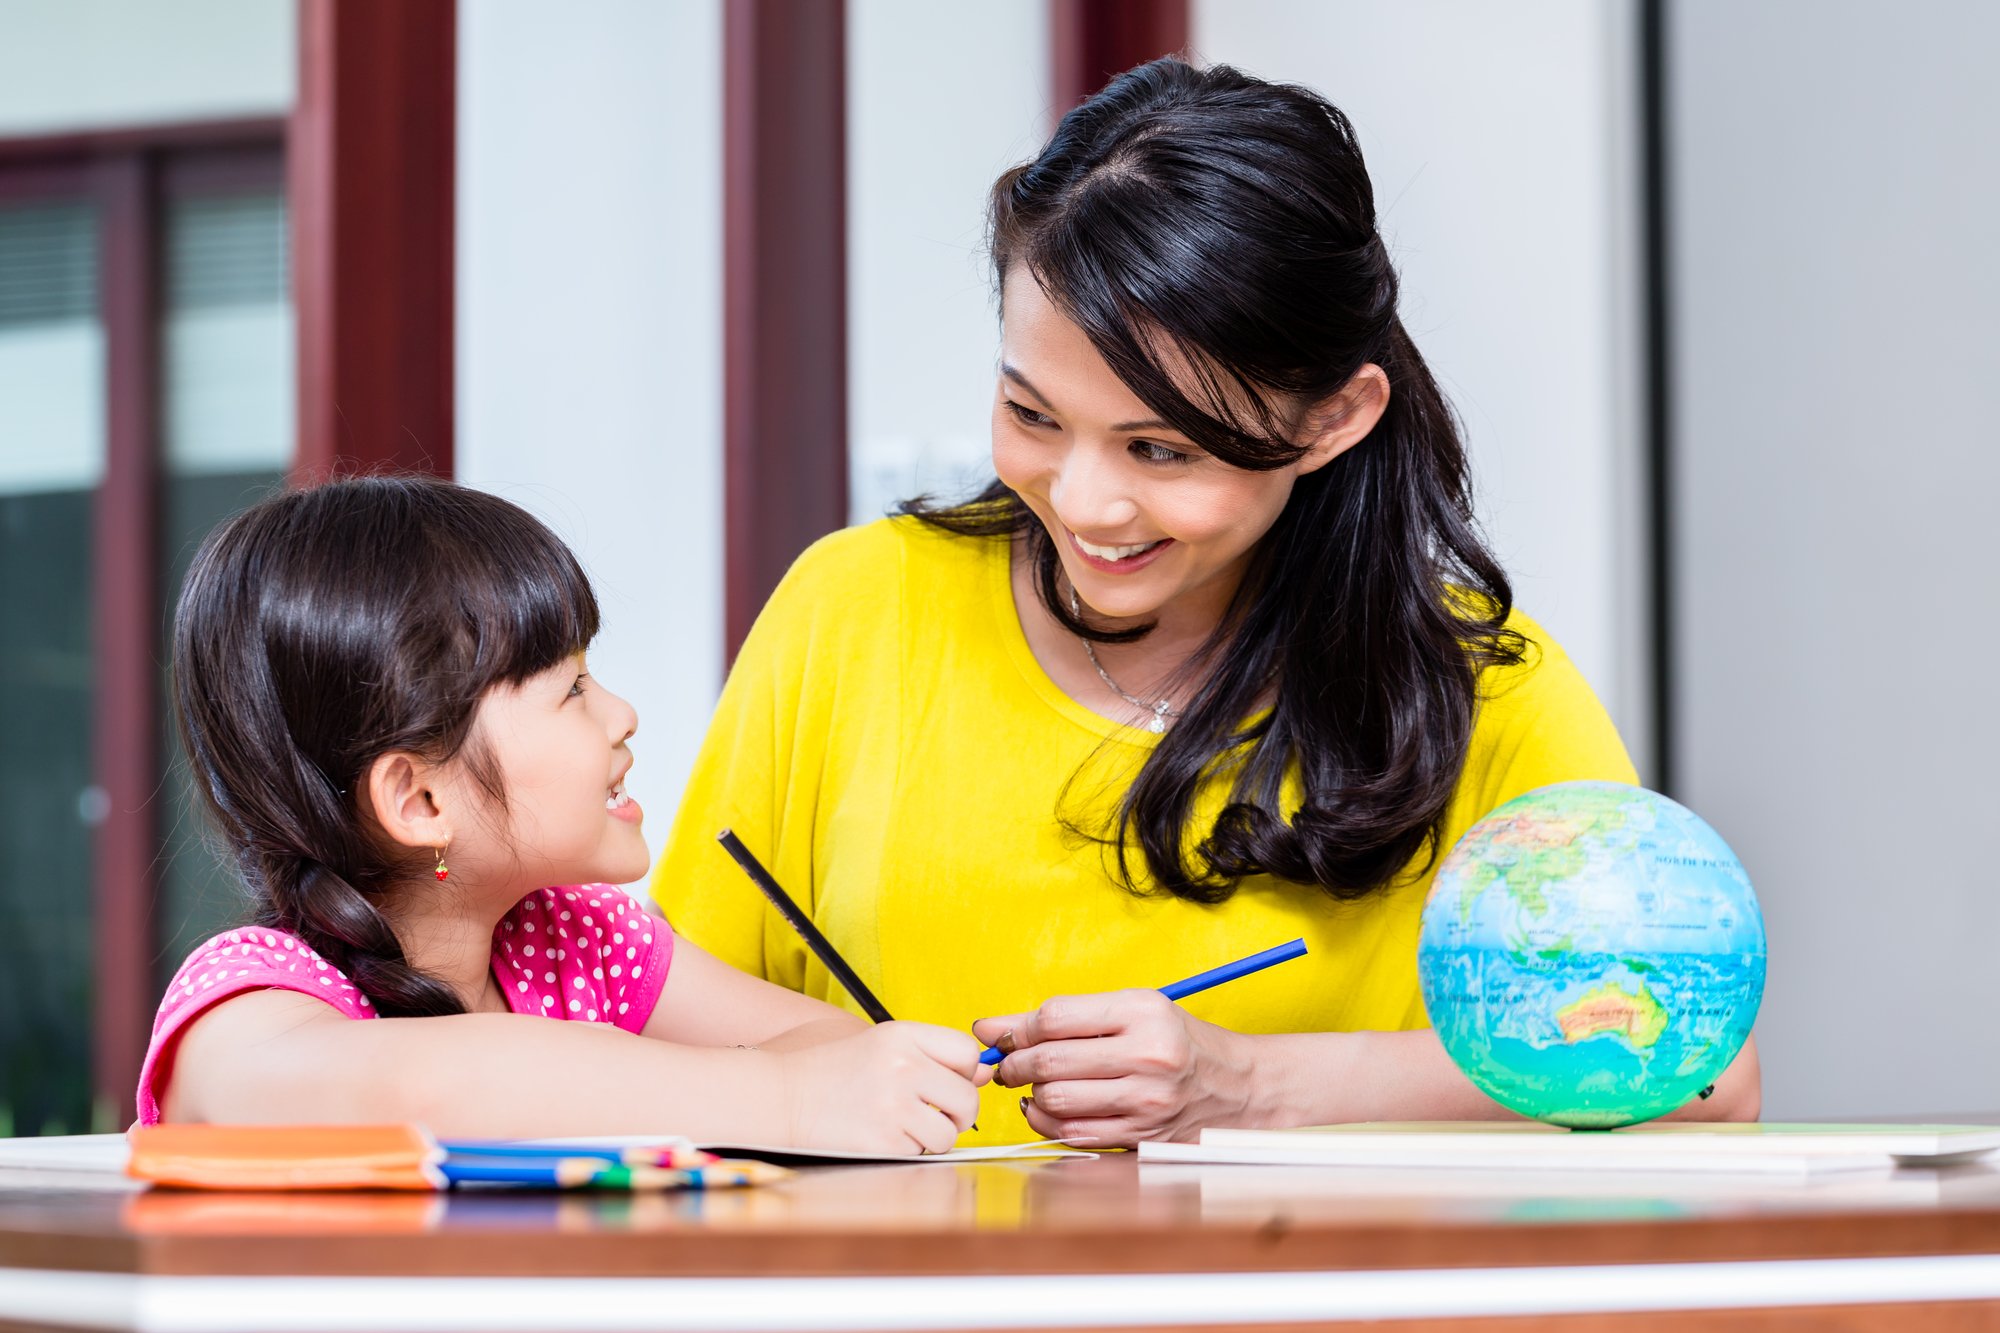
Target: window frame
{"points": [[129, 176]]}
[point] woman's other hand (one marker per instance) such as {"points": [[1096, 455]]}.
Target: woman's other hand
{"points": [[1120, 1066], [899, 1088]]}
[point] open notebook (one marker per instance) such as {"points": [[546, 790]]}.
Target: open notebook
{"points": [[1010, 1152], [110, 1154], [1772, 1149]]}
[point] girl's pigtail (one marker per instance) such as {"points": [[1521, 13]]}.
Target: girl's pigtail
{"points": [[341, 924]]}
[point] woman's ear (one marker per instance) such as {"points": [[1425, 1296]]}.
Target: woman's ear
{"points": [[400, 789], [1339, 423]]}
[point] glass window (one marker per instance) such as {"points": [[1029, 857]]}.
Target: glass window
{"points": [[214, 219], [226, 404], [52, 450]]}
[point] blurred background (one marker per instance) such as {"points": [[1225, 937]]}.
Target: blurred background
{"points": [[1711, 282]]}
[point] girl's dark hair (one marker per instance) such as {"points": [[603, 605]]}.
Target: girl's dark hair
{"points": [[322, 628], [1211, 222]]}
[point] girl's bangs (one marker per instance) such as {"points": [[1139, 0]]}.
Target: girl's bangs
{"points": [[526, 602]]}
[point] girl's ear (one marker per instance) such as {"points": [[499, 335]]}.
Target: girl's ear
{"points": [[400, 789], [1333, 427]]}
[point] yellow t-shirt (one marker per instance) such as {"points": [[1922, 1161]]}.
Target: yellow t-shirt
{"points": [[889, 747]]}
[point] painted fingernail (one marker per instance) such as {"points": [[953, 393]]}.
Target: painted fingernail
{"points": [[1005, 1041], [1024, 1104]]}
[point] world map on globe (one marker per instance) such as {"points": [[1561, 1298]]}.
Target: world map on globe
{"points": [[1592, 954]]}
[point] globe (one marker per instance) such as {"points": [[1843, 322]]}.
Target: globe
{"points": [[1591, 955]]}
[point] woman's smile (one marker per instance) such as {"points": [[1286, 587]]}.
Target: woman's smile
{"points": [[1127, 559]]}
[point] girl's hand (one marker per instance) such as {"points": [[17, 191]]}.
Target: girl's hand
{"points": [[1121, 1066], [900, 1088]]}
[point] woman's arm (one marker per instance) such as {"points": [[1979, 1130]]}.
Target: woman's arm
{"points": [[278, 1056], [1123, 1066], [1336, 1077]]}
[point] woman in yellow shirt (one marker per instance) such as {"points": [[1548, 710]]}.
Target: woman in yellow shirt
{"points": [[1219, 660]]}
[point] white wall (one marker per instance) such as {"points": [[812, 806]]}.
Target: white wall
{"points": [[87, 64], [1501, 141], [1837, 458], [589, 375], [589, 318], [941, 99]]}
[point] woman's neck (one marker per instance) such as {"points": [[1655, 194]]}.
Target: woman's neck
{"points": [[1150, 668], [449, 934]]}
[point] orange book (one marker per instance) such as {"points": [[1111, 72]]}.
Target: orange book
{"points": [[287, 1157]]}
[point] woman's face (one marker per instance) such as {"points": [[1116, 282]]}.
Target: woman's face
{"points": [[1142, 518]]}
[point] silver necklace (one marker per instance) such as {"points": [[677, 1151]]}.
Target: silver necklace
{"points": [[1159, 708]]}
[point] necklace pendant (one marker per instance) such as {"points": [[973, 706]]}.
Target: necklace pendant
{"points": [[1158, 725]]}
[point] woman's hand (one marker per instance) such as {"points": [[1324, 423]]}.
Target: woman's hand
{"points": [[1121, 1066], [900, 1088]]}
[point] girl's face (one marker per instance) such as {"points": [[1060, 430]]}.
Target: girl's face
{"points": [[559, 742], [1141, 517]]}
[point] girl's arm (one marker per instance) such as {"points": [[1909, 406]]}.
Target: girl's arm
{"points": [[706, 1002], [279, 1056], [1123, 1066]]}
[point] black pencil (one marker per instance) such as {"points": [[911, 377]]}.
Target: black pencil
{"points": [[808, 932]]}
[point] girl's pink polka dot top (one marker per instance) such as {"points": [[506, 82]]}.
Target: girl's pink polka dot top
{"points": [[586, 952]]}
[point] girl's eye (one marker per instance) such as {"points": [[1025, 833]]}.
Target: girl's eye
{"points": [[576, 686], [1028, 416], [1159, 453]]}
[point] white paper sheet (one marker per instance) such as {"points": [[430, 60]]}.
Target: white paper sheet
{"points": [[66, 1152], [1009, 1152]]}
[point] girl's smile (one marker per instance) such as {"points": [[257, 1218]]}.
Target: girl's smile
{"points": [[620, 804]]}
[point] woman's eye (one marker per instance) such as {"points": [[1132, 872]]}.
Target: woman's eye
{"points": [[1028, 416], [576, 686], [1159, 453]]}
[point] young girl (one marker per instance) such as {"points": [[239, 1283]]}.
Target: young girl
{"points": [[382, 687]]}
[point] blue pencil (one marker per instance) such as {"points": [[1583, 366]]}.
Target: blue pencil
{"points": [[540, 1152], [548, 1172], [1201, 981]]}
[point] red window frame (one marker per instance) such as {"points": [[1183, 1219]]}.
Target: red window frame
{"points": [[129, 176], [368, 160]]}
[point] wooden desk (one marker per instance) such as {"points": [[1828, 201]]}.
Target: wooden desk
{"points": [[1083, 1243]]}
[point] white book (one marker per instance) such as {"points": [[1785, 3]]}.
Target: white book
{"points": [[1234, 1190], [1771, 1149]]}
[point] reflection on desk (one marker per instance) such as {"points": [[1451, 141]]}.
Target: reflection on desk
{"points": [[1083, 1241]]}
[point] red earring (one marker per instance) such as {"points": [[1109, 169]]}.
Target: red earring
{"points": [[441, 871]]}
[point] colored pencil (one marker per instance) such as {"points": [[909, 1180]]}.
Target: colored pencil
{"points": [[1202, 981], [661, 1155], [1242, 967], [547, 1172], [822, 947]]}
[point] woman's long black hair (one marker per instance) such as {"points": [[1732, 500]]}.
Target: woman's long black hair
{"points": [[320, 629], [1208, 220]]}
